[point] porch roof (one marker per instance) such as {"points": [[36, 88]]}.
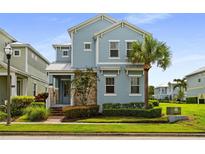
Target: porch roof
{"points": [[59, 67]]}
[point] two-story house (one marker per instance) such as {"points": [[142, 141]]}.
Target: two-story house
{"points": [[101, 43], [166, 91], [196, 85], [28, 75]]}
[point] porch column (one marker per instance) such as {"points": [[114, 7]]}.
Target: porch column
{"points": [[13, 84], [25, 87], [72, 92]]}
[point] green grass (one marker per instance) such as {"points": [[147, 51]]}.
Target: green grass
{"points": [[102, 119], [194, 111]]}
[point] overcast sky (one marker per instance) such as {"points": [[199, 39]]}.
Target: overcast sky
{"points": [[184, 33]]}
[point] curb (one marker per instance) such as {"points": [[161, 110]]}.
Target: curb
{"points": [[103, 134]]}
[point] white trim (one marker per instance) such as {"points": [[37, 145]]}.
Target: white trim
{"points": [[92, 20], [71, 92], [62, 50], [72, 49], [110, 94], [97, 50], [134, 75], [26, 59], [18, 51], [13, 84], [130, 40], [84, 43], [109, 75], [117, 63], [115, 41], [135, 94], [63, 73]]}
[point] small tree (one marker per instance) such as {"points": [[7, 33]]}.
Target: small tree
{"points": [[182, 85], [83, 83], [150, 51], [151, 91]]}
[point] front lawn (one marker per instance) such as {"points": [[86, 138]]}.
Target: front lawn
{"points": [[102, 119], [194, 111]]}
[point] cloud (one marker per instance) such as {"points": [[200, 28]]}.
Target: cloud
{"points": [[146, 18]]}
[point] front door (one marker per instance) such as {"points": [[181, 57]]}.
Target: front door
{"points": [[65, 91]]}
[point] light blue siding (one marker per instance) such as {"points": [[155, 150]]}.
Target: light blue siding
{"points": [[194, 87], [59, 55], [121, 34], [83, 58], [122, 89]]}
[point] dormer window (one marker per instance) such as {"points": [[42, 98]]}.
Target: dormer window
{"points": [[17, 53], [65, 53], [87, 46]]}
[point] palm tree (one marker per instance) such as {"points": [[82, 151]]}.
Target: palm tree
{"points": [[182, 85], [150, 51]]}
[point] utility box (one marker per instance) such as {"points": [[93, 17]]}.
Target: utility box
{"points": [[173, 110]]}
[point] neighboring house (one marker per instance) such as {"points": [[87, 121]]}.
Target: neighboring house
{"points": [[196, 84], [161, 92], [101, 43], [166, 91], [28, 75]]}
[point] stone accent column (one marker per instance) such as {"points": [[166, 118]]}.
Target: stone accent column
{"points": [[72, 92]]}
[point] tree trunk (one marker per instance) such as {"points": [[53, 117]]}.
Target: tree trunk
{"points": [[146, 84]]}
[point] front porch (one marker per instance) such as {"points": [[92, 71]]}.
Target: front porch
{"points": [[60, 90]]}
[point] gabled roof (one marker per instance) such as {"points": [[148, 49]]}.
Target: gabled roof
{"points": [[92, 20], [200, 70], [122, 23], [7, 35], [19, 44]]}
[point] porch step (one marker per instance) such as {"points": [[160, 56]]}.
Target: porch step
{"points": [[56, 111]]}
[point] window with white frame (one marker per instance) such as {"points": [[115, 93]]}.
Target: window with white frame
{"points": [[65, 53], [17, 53], [87, 46], [114, 49], [110, 85], [128, 47], [135, 85], [34, 89]]}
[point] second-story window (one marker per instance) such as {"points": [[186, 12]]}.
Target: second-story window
{"points": [[114, 49], [129, 48], [65, 53], [87, 46], [17, 53]]}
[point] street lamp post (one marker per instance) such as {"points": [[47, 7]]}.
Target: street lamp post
{"points": [[8, 51]]}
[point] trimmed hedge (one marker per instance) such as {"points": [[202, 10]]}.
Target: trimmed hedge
{"points": [[146, 113], [38, 104], [19, 103], [132, 105], [80, 111], [154, 102], [191, 100], [3, 116]]}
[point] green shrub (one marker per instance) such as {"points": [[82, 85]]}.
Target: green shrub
{"points": [[38, 104], [154, 102], [36, 113], [3, 116], [131, 105], [19, 103], [191, 100], [146, 113], [80, 111], [3, 108]]}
